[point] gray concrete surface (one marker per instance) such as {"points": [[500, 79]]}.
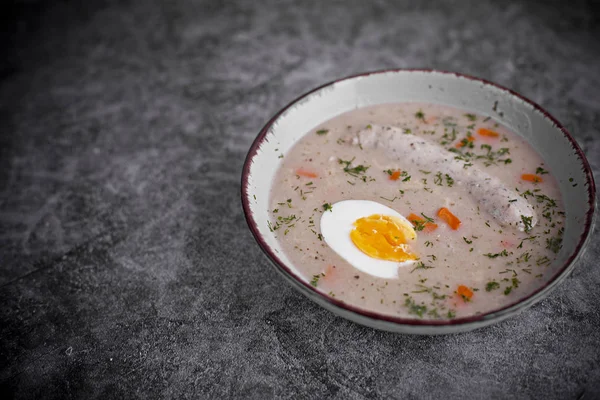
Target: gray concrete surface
{"points": [[126, 268]]}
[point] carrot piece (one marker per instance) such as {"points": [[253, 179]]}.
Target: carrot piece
{"points": [[414, 217], [462, 143], [427, 227], [531, 178], [464, 292], [430, 227], [487, 132], [395, 175], [305, 173], [450, 218]]}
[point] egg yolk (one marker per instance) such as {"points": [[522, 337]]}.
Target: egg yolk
{"points": [[383, 237]]}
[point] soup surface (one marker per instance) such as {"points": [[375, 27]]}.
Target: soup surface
{"points": [[418, 211]]}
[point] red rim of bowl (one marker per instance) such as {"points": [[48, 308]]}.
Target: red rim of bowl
{"points": [[491, 315]]}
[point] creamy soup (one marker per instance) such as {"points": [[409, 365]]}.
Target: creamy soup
{"points": [[418, 211]]}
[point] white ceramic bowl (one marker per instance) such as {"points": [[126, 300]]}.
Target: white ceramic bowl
{"points": [[558, 148]]}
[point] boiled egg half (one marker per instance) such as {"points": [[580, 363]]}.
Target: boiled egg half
{"points": [[373, 238]]}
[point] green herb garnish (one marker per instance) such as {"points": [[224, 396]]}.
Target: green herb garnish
{"points": [[421, 265], [527, 222], [541, 171], [414, 308], [419, 225], [353, 171], [388, 199], [428, 219], [315, 279], [554, 244], [542, 261], [449, 180], [503, 253]]}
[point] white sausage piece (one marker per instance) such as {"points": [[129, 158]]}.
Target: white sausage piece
{"points": [[490, 192]]}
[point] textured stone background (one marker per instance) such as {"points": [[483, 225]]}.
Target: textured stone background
{"points": [[126, 268]]}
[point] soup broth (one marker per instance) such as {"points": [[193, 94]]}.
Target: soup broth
{"points": [[485, 211]]}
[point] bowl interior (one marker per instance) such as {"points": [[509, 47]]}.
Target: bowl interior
{"points": [[559, 151]]}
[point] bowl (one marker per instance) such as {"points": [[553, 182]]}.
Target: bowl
{"points": [[550, 139]]}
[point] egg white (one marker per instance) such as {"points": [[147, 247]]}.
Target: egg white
{"points": [[336, 226]]}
